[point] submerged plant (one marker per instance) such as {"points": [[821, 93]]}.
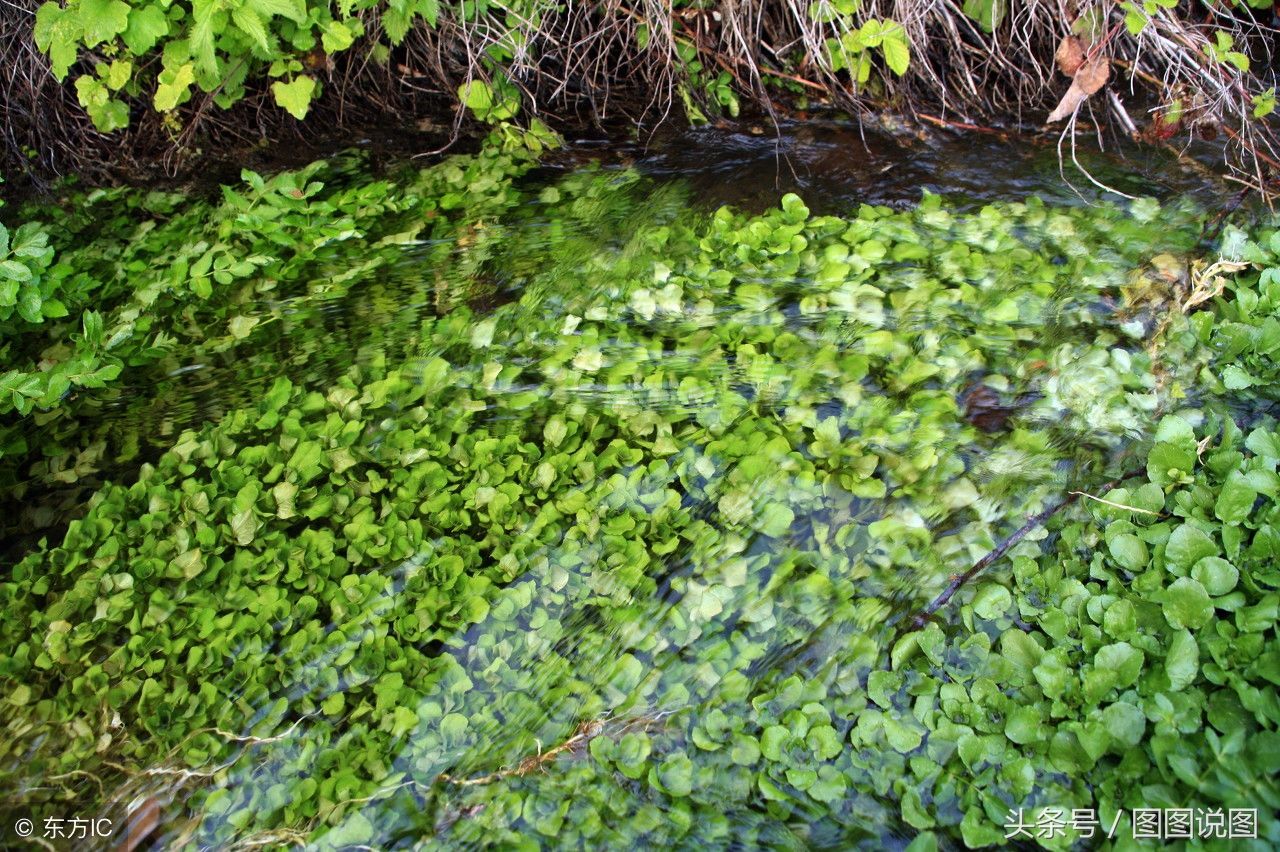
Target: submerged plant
{"points": [[634, 557]]}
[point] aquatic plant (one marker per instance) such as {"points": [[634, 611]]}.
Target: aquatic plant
{"points": [[637, 556], [149, 283]]}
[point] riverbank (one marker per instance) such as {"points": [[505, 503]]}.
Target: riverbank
{"points": [[147, 92]]}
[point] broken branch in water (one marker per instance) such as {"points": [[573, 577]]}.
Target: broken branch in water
{"points": [[582, 735], [919, 619], [961, 125]]}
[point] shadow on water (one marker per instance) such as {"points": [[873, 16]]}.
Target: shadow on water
{"points": [[837, 166]]}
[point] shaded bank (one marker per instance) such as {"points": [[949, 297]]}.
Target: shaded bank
{"points": [[139, 88]]}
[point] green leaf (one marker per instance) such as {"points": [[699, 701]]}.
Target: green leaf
{"points": [[914, 811], [1125, 723], [107, 114], [1174, 451], [1187, 604], [430, 12], [1024, 725], [202, 38], [453, 728], [244, 527], [58, 32], [1238, 59], [340, 35], [489, 103], [1236, 499], [404, 721], [30, 303], [824, 742], [1236, 378], [1217, 575], [147, 25], [15, 271], [249, 23], [102, 20], [554, 431], [294, 10], [1134, 20], [775, 520], [241, 327], [896, 49], [284, 494], [1129, 552], [1264, 103], [355, 829], [793, 209], [1121, 660], [882, 686], [1182, 661], [295, 95], [118, 74], [91, 321], [1020, 649], [1120, 620], [1187, 545], [830, 785], [676, 775], [174, 87], [903, 737], [772, 741], [988, 13], [1053, 674], [992, 601]]}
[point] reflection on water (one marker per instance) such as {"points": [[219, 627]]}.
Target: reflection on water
{"points": [[837, 166], [733, 555]]}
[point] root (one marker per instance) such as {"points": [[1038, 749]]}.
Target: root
{"points": [[1116, 505], [1208, 283]]}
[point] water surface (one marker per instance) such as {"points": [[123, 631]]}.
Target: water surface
{"points": [[633, 484]]}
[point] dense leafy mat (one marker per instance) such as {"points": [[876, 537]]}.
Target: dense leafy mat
{"points": [[122, 287], [634, 558]]}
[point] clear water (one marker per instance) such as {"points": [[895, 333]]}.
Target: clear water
{"points": [[835, 167], [545, 688]]}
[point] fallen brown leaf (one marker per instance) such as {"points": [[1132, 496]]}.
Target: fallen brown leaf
{"points": [[1070, 55], [1093, 75], [144, 820], [1089, 78]]}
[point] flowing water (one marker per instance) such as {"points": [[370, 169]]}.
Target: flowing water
{"points": [[615, 500], [834, 167]]}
